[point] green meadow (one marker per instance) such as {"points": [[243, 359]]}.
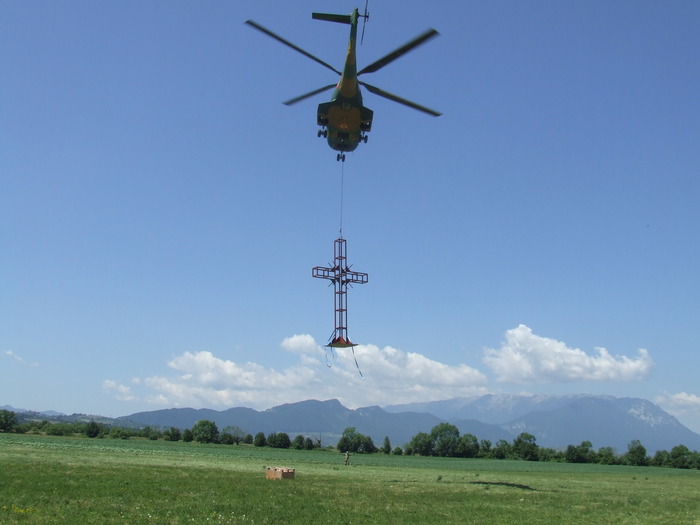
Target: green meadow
{"points": [[47, 479]]}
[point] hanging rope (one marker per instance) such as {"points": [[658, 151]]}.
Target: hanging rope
{"points": [[358, 366], [342, 187], [329, 365]]}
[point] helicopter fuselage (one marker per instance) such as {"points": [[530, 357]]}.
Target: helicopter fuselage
{"points": [[344, 120]]}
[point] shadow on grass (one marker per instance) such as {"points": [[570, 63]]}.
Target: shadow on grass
{"points": [[503, 484]]}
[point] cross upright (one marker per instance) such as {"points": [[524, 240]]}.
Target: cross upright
{"points": [[340, 275]]}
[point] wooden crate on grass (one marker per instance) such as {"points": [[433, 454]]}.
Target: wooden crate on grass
{"points": [[280, 473]]}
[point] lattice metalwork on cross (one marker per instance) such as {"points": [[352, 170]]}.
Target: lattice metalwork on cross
{"points": [[341, 276]]}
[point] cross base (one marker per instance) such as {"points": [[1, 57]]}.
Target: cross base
{"points": [[339, 342]]}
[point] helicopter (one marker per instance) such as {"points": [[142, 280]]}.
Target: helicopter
{"points": [[345, 121]]}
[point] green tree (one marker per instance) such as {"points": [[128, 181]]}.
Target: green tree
{"points": [[248, 439], [119, 433], [397, 451], [150, 433], [260, 440], [172, 434], [93, 429], [680, 457], [636, 454], [23, 428], [367, 445], [549, 454], [525, 447], [445, 438], [485, 450], [235, 432], [226, 439], [353, 441], [607, 456], [8, 420], [386, 447], [501, 450], [187, 436], [205, 431], [583, 453], [308, 444], [298, 442], [279, 440], [468, 446], [661, 459], [59, 429], [349, 441], [421, 444]]}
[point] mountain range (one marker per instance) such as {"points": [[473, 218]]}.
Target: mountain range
{"points": [[555, 421], [558, 421]]}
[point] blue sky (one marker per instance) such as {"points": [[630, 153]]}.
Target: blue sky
{"points": [[161, 210]]}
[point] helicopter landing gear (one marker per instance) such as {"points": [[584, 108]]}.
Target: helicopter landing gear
{"points": [[340, 157], [323, 133], [363, 138]]}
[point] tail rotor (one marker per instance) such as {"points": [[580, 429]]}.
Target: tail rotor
{"points": [[366, 17]]}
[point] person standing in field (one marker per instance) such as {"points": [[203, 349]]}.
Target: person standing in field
{"points": [[347, 457]]}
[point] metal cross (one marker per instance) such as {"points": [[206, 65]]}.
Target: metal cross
{"points": [[340, 275]]}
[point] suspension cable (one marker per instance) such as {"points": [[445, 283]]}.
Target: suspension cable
{"points": [[342, 186]]}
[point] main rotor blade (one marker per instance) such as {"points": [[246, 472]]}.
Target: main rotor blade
{"points": [[395, 98], [374, 66], [287, 43], [307, 95]]}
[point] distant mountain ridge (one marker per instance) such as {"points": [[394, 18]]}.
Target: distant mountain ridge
{"points": [[555, 421], [321, 419], [51, 413]]}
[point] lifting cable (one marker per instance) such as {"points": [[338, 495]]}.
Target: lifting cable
{"points": [[342, 187], [342, 191]]}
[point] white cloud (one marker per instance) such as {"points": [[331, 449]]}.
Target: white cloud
{"points": [[302, 344], [121, 392], [683, 406], [390, 376], [679, 404], [528, 358], [19, 359]]}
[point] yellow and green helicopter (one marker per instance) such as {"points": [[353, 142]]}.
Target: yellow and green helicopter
{"points": [[345, 121]]}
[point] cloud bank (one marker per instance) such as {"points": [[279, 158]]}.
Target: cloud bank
{"points": [[680, 404], [201, 379], [525, 357], [388, 375], [120, 392]]}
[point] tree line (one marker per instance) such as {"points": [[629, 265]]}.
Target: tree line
{"points": [[204, 431], [444, 440]]}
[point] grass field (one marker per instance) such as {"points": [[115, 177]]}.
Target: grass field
{"points": [[78, 480]]}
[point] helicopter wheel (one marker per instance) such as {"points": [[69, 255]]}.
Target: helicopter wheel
{"points": [[340, 156], [364, 138]]}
